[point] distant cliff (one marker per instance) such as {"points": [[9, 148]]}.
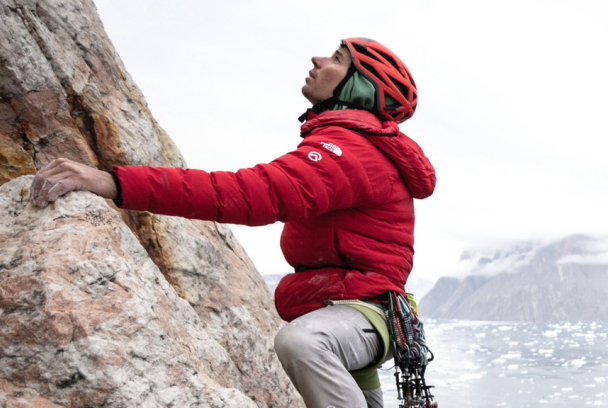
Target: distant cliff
{"points": [[564, 280]]}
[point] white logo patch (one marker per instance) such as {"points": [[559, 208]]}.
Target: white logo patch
{"points": [[332, 148], [314, 156]]}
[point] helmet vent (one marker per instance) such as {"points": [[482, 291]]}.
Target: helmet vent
{"points": [[370, 69], [402, 88], [363, 50], [389, 59], [410, 78]]}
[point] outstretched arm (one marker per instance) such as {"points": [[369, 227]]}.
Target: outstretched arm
{"points": [[301, 184]]}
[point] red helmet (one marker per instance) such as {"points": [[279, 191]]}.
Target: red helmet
{"points": [[396, 94]]}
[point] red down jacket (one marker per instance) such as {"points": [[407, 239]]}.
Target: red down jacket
{"points": [[345, 196]]}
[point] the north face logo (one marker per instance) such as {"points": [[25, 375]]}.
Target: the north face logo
{"points": [[314, 156], [332, 148]]}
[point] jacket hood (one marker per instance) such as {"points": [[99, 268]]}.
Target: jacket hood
{"points": [[416, 170]]}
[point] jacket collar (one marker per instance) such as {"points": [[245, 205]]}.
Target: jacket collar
{"points": [[355, 119]]}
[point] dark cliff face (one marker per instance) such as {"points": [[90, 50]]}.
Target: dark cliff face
{"points": [[436, 299], [564, 280]]}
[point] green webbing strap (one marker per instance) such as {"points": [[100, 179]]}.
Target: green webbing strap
{"points": [[412, 301], [367, 377]]}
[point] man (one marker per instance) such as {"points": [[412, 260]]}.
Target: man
{"points": [[346, 198]]}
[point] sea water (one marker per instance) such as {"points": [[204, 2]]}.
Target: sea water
{"points": [[494, 364]]}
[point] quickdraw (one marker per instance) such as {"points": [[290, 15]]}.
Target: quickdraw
{"points": [[410, 352]]}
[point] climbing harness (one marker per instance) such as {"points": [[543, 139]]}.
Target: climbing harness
{"points": [[410, 351], [396, 320]]}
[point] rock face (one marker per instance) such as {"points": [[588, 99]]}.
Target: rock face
{"points": [[564, 280], [193, 322], [88, 319]]}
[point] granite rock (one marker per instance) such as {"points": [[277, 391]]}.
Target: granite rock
{"points": [[64, 92], [87, 319]]}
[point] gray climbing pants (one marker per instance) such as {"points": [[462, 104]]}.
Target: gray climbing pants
{"points": [[319, 349]]}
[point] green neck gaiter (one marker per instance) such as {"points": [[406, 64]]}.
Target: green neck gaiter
{"points": [[359, 91]]}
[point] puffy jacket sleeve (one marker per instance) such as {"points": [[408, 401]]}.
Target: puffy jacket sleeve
{"points": [[304, 183]]}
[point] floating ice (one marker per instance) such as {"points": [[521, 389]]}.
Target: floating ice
{"points": [[576, 363], [466, 377], [470, 366], [505, 328], [550, 355]]}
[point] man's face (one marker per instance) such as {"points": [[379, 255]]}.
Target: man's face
{"points": [[326, 75]]}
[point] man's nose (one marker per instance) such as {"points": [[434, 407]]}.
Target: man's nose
{"points": [[317, 61]]}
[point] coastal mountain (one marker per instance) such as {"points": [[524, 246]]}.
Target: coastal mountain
{"points": [[528, 282]]}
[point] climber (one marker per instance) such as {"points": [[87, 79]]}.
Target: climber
{"points": [[346, 198]]}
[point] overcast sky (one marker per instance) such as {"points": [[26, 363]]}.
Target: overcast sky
{"points": [[512, 103]]}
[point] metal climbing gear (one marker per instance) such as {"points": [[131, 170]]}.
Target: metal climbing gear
{"points": [[410, 352]]}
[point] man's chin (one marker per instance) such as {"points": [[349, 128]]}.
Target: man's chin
{"points": [[306, 93]]}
